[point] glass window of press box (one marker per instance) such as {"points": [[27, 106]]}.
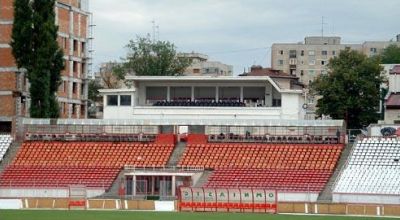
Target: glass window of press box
{"points": [[112, 100], [125, 100]]}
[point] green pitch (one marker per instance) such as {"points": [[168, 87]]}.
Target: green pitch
{"points": [[122, 215]]}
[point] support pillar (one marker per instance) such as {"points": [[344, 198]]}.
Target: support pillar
{"points": [[152, 185], [173, 185], [134, 185], [192, 93], [241, 93], [217, 93], [168, 93]]}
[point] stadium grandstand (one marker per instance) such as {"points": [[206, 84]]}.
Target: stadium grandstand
{"points": [[229, 144]]}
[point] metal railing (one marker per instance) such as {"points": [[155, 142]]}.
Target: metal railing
{"points": [[164, 168]]}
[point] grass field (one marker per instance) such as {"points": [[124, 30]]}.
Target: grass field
{"points": [[122, 215]]}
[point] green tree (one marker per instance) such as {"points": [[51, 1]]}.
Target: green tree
{"points": [[22, 33], [93, 90], [147, 58], [391, 54], [35, 47], [351, 90]]}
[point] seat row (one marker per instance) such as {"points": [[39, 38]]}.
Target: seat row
{"points": [[373, 168], [93, 164]]}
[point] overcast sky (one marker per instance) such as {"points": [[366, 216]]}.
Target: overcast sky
{"points": [[238, 32]]}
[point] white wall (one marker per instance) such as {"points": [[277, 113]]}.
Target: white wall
{"points": [[292, 106], [43, 192], [203, 113], [297, 197], [10, 204], [366, 198]]}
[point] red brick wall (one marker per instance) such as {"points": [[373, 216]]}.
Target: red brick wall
{"points": [[63, 20], [84, 22], [65, 72], [5, 34], [6, 58], [7, 81], [6, 9], [73, 3], [76, 24], [7, 107]]}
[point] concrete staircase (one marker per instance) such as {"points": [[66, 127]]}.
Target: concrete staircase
{"points": [[326, 195], [203, 179], [10, 155], [112, 193], [176, 154]]}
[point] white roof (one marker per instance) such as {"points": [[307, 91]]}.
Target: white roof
{"points": [[213, 79], [194, 121], [199, 78], [125, 90]]}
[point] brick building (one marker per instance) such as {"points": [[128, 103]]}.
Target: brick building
{"points": [[74, 20]]}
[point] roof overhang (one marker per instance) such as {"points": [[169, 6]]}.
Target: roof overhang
{"points": [[193, 121], [219, 79]]}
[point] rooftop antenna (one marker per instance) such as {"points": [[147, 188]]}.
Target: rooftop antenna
{"points": [[322, 26], [154, 30], [158, 32]]}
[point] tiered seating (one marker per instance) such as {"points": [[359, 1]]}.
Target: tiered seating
{"points": [[299, 167], [373, 168], [277, 156], [92, 163], [5, 143], [290, 180], [202, 103]]}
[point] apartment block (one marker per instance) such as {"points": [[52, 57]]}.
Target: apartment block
{"points": [[202, 66], [74, 36], [310, 58]]}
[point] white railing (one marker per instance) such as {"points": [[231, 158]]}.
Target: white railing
{"points": [[165, 168]]}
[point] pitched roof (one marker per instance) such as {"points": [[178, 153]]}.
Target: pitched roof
{"points": [[395, 70], [393, 102], [259, 71]]}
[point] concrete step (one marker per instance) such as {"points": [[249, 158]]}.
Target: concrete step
{"points": [[113, 192], [326, 194], [176, 154], [10, 155], [203, 179]]}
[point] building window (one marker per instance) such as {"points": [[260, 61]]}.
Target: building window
{"points": [[373, 50], [323, 62], [74, 88], [301, 72], [311, 62], [83, 48], [311, 72], [112, 100], [75, 66], [281, 52], [82, 89], [311, 53], [64, 42], [324, 53], [73, 109], [65, 85], [75, 45], [334, 53], [82, 110], [292, 54], [280, 62], [302, 53], [83, 68], [125, 100], [196, 70]]}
